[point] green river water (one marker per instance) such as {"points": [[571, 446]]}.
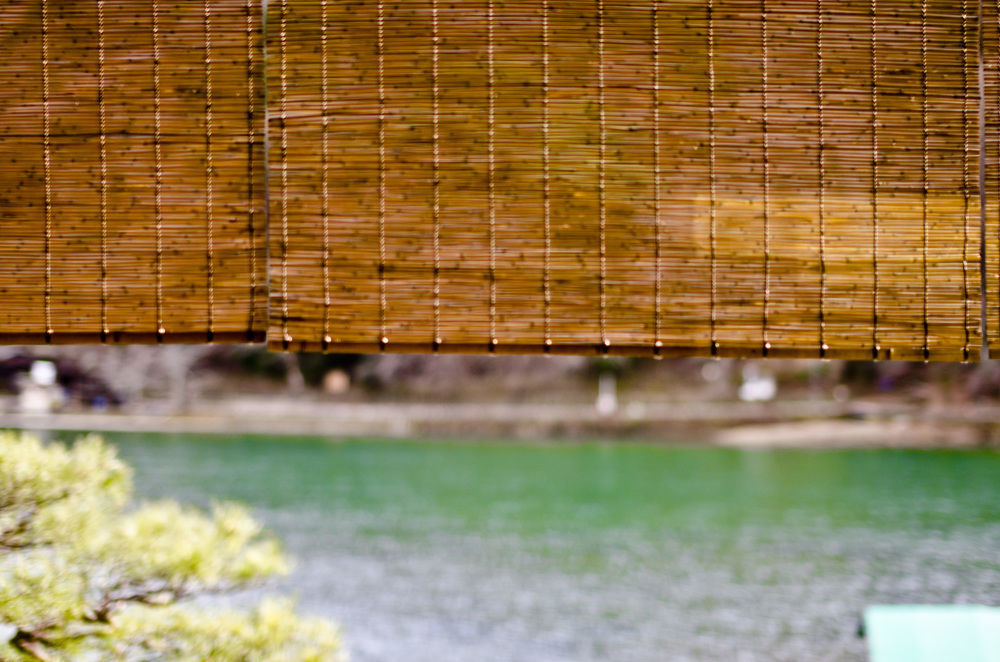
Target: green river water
{"points": [[457, 552]]}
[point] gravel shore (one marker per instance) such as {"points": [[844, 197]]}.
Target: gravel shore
{"points": [[779, 424]]}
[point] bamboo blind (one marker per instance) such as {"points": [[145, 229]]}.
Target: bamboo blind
{"points": [[131, 171], [692, 177], [713, 177]]}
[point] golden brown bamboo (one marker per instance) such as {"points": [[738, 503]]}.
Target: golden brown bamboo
{"points": [[696, 177], [131, 171], [707, 177]]}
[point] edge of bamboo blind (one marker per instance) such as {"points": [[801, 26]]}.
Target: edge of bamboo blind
{"points": [[913, 354], [134, 338]]}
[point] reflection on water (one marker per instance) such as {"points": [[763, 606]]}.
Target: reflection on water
{"points": [[447, 552]]}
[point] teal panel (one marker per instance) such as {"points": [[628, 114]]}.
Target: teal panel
{"points": [[933, 633]]}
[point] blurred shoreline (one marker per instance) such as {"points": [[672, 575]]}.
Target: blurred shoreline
{"points": [[778, 424], [244, 389]]}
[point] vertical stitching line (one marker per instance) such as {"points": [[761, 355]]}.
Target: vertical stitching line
{"points": [[984, 349], [997, 108], [924, 168], [821, 101], [103, 157], [875, 174], [491, 174], [767, 174], [712, 211], [251, 211], [546, 204], [602, 150], [157, 172], [209, 173], [47, 175], [436, 173], [283, 39], [268, 251], [965, 178], [656, 175], [325, 194], [380, 56]]}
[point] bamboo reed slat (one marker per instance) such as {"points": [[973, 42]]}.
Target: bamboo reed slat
{"points": [[990, 44], [713, 177], [131, 171]]}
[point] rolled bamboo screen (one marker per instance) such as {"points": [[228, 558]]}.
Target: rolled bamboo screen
{"points": [[723, 177], [710, 177], [131, 171]]}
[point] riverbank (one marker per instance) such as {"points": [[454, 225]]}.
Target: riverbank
{"points": [[779, 424]]}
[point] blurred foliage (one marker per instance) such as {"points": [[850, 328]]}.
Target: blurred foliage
{"points": [[615, 365], [314, 365], [171, 378], [77, 382], [251, 360], [257, 361], [83, 576]]}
